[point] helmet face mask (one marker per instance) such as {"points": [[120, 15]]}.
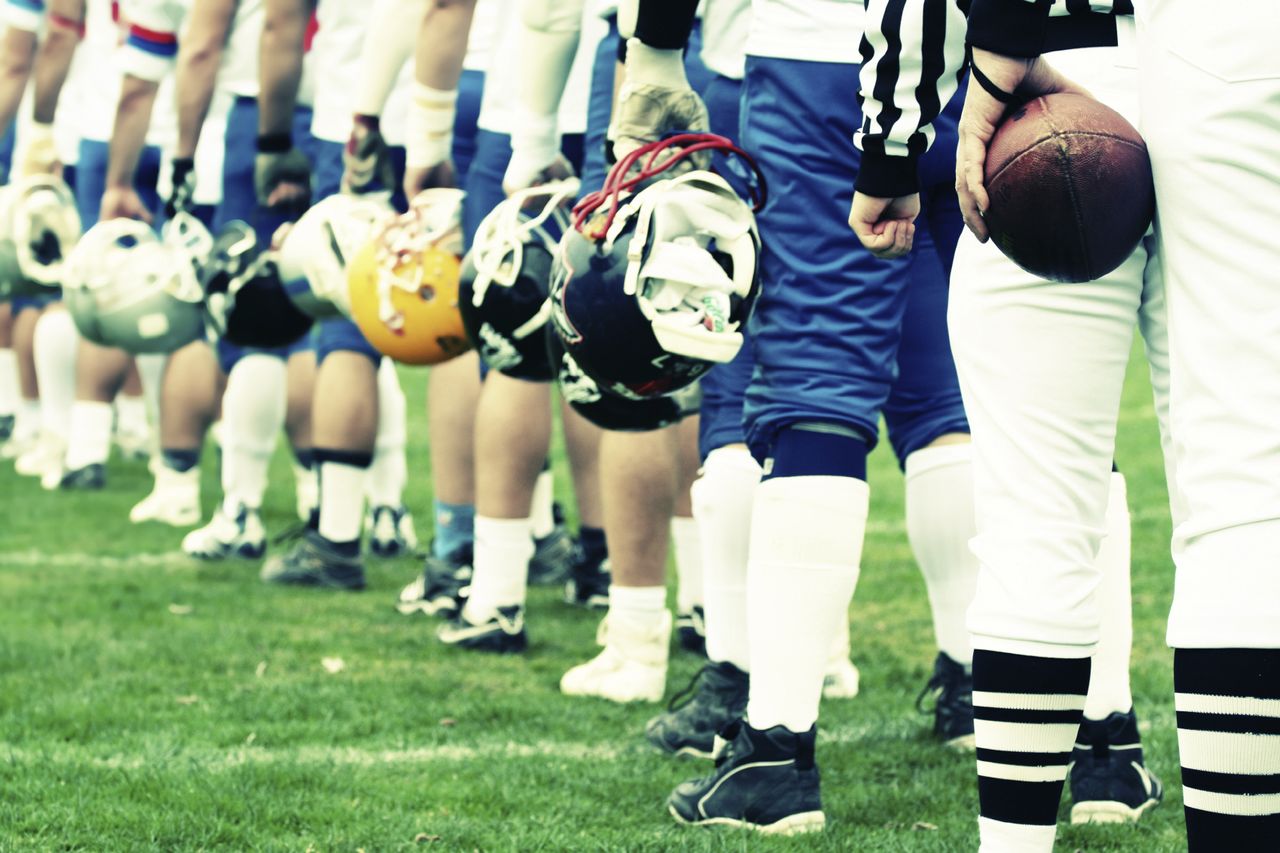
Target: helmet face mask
{"points": [[39, 225], [505, 280], [126, 288], [663, 294], [243, 295], [403, 284]]}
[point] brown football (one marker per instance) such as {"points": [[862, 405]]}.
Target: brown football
{"points": [[1070, 188]]}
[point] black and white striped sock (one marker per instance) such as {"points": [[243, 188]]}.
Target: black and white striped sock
{"points": [[1027, 711], [1228, 704]]}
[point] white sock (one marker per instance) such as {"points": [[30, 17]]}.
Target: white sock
{"points": [[89, 436], [26, 421], [806, 546], [639, 609], [688, 548], [341, 501], [54, 345], [541, 515], [131, 414], [253, 409], [1000, 837], [390, 469], [940, 523], [1109, 690], [10, 393], [151, 371], [500, 571], [722, 498]]}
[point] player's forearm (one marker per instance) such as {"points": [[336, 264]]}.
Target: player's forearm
{"points": [[442, 43], [388, 45], [52, 64], [284, 30], [912, 51], [197, 74], [1009, 27], [133, 117], [17, 52], [548, 41]]}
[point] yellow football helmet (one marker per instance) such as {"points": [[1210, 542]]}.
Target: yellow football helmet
{"points": [[404, 282]]}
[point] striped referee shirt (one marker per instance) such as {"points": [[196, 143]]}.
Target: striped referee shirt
{"points": [[913, 57]]}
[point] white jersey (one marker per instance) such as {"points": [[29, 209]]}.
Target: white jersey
{"points": [[725, 24], [485, 24], [335, 54], [499, 107], [815, 30]]}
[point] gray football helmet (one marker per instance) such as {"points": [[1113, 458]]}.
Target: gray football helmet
{"points": [[39, 224], [126, 287]]}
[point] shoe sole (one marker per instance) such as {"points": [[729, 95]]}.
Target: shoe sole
{"points": [[796, 824], [1108, 811], [682, 752], [427, 608]]}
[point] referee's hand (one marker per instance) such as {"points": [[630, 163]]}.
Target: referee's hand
{"points": [[885, 226], [983, 111]]}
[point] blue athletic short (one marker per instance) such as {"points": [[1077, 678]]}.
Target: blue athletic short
{"points": [[6, 153], [724, 387], [839, 337]]}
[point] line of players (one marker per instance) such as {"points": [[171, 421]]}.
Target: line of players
{"points": [[768, 557]]}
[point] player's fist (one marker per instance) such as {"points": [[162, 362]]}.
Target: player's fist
{"points": [[886, 226], [282, 175], [183, 187], [365, 161], [656, 99], [40, 154], [123, 203], [417, 179]]}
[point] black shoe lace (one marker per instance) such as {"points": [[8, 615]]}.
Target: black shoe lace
{"points": [[290, 534], [688, 693]]}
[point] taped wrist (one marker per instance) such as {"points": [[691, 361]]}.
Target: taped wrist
{"points": [[651, 66], [429, 126]]}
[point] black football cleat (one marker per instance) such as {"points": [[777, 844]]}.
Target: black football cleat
{"points": [[90, 478], [951, 688], [691, 630], [391, 531], [716, 697], [1109, 781], [764, 780], [314, 562], [588, 584], [442, 588], [503, 633], [553, 558], [7, 423]]}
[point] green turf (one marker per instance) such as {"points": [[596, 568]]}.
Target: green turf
{"points": [[128, 723]]}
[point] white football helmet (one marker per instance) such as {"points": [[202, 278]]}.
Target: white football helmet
{"points": [[126, 287], [314, 252], [39, 224]]}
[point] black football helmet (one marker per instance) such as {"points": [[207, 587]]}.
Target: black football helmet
{"points": [[245, 299], [650, 296], [609, 411], [506, 277]]}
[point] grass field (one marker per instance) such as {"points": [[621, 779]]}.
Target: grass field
{"points": [[148, 702]]}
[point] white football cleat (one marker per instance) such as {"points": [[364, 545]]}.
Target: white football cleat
{"points": [[631, 668], [42, 459], [237, 534], [134, 446], [841, 680], [175, 499]]}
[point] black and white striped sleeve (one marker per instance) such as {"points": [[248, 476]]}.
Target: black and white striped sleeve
{"points": [[912, 57]]}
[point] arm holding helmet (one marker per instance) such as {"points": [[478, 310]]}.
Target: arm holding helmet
{"points": [[442, 47], [199, 59], [282, 173]]}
